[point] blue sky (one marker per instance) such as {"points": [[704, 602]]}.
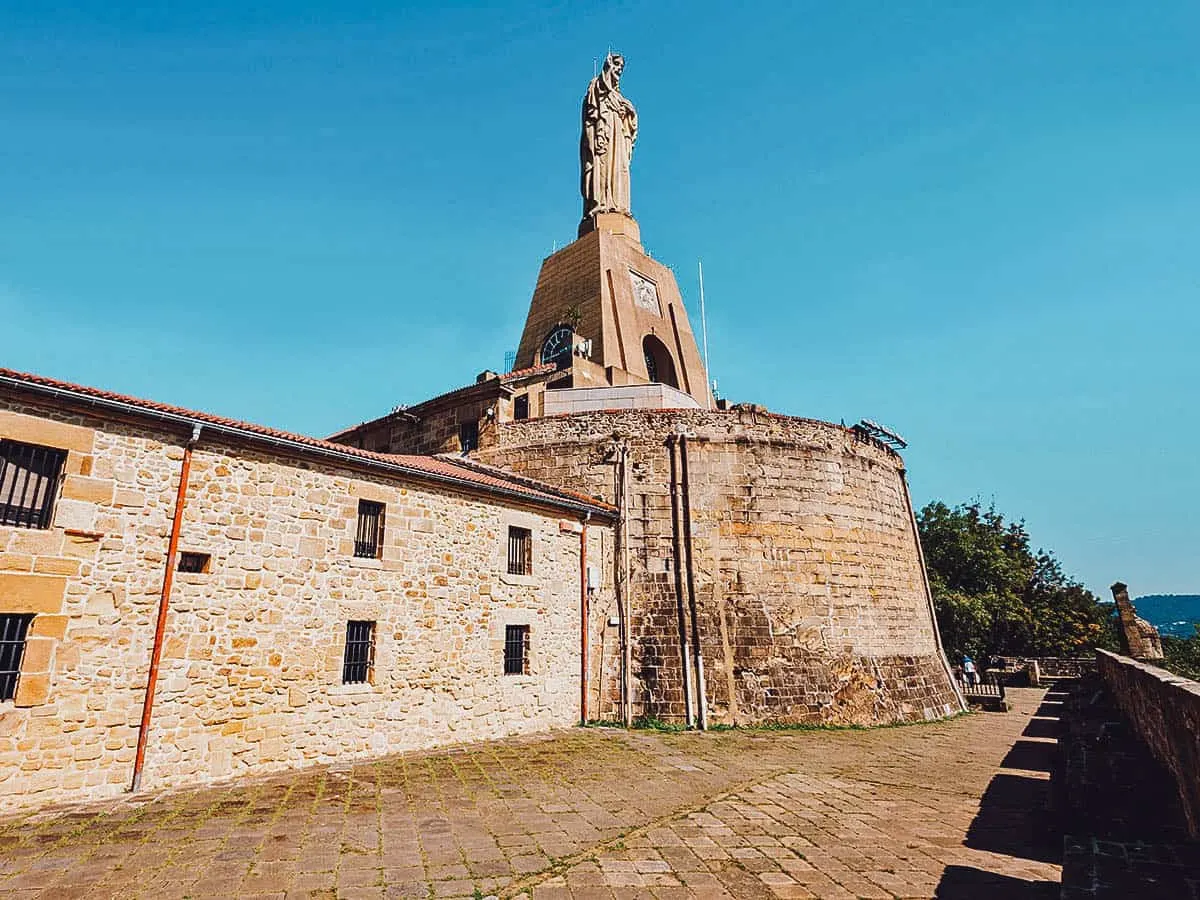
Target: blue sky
{"points": [[978, 225]]}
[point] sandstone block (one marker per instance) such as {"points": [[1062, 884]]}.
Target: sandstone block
{"points": [[49, 626], [21, 593], [32, 690], [89, 490]]}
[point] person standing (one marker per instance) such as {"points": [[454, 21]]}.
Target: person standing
{"points": [[970, 672]]}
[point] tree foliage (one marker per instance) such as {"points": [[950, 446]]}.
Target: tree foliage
{"points": [[995, 595], [1182, 655]]}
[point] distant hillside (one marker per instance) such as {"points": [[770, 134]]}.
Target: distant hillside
{"points": [[1172, 613]]}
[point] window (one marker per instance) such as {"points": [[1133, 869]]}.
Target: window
{"points": [[516, 650], [468, 436], [28, 483], [194, 562], [359, 658], [521, 407], [520, 551], [368, 540], [12, 647]]}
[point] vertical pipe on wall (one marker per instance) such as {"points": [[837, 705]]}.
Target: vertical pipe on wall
{"points": [[621, 561], [677, 565], [164, 599], [583, 623], [701, 697]]}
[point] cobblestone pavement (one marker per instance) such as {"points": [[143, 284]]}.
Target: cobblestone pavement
{"points": [[947, 809]]}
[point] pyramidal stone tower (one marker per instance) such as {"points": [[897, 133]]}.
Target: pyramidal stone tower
{"points": [[602, 306]]}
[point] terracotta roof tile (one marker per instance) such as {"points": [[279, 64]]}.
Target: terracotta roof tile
{"points": [[442, 468]]}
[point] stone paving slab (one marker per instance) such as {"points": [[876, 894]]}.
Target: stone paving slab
{"points": [[917, 811]]}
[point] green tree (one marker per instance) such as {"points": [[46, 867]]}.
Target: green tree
{"points": [[1182, 655], [996, 596]]}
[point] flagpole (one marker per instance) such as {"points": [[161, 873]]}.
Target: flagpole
{"points": [[704, 332]]}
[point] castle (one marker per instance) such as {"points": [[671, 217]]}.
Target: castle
{"points": [[185, 597]]}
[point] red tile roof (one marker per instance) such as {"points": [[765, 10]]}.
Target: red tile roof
{"points": [[461, 472]]}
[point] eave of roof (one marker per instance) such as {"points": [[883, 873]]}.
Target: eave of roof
{"points": [[466, 390], [440, 469]]}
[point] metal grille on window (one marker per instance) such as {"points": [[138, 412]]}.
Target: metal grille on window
{"points": [[28, 483], [468, 436], [360, 652], [12, 647], [519, 551], [516, 650], [369, 538]]}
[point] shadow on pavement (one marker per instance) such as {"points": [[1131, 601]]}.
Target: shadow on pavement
{"points": [[968, 883], [1032, 756], [1043, 728], [1012, 819]]}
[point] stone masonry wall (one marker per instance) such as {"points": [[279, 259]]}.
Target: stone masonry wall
{"points": [[250, 680], [1164, 710], [808, 578]]}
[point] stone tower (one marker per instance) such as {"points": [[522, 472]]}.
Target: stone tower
{"points": [[604, 308]]}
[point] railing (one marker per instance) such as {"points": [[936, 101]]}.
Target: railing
{"points": [[989, 688]]}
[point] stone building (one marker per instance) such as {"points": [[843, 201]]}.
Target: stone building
{"points": [[327, 603]]}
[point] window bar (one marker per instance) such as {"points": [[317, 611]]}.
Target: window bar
{"points": [[516, 649], [28, 483], [369, 535], [13, 630], [356, 665]]}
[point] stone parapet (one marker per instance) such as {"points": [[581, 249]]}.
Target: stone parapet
{"points": [[1164, 710]]}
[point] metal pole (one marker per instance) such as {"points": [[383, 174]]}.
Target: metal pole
{"points": [[684, 656], [701, 697], [704, 333], [164, 599], [583, 625]]}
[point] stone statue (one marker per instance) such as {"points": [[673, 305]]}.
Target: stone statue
{"points": [[606, 145]]}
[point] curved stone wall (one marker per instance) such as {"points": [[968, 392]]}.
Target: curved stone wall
{"points": [[812, 603]]}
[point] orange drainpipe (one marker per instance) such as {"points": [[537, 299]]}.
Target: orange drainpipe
{"points": [[160, 626], [583, 625]]}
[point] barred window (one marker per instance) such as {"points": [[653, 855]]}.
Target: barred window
{"points": [[359, 658], [29, 477], [368, 540], [516, 650], [520, 551], [13, 630]]}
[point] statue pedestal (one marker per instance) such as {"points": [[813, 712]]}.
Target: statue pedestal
{"points": [[612, 293], [612, 223]]}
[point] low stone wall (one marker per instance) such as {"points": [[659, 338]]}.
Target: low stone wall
{"points": [[1014, 670], [1164, 710]]}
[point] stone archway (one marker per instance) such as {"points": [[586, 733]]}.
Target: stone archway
{"points": [[660, 367]]}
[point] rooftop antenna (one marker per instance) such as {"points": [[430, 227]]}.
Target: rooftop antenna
{"points": [[704, 332]]}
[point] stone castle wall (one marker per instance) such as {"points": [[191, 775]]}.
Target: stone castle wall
{"points": [[1163, 709], [250, 679], [808, 576]]}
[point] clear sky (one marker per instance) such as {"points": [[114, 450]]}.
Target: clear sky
{"points": [[977, 223]]}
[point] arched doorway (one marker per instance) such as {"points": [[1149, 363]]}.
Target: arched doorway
{"points": [[659, 365]]}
